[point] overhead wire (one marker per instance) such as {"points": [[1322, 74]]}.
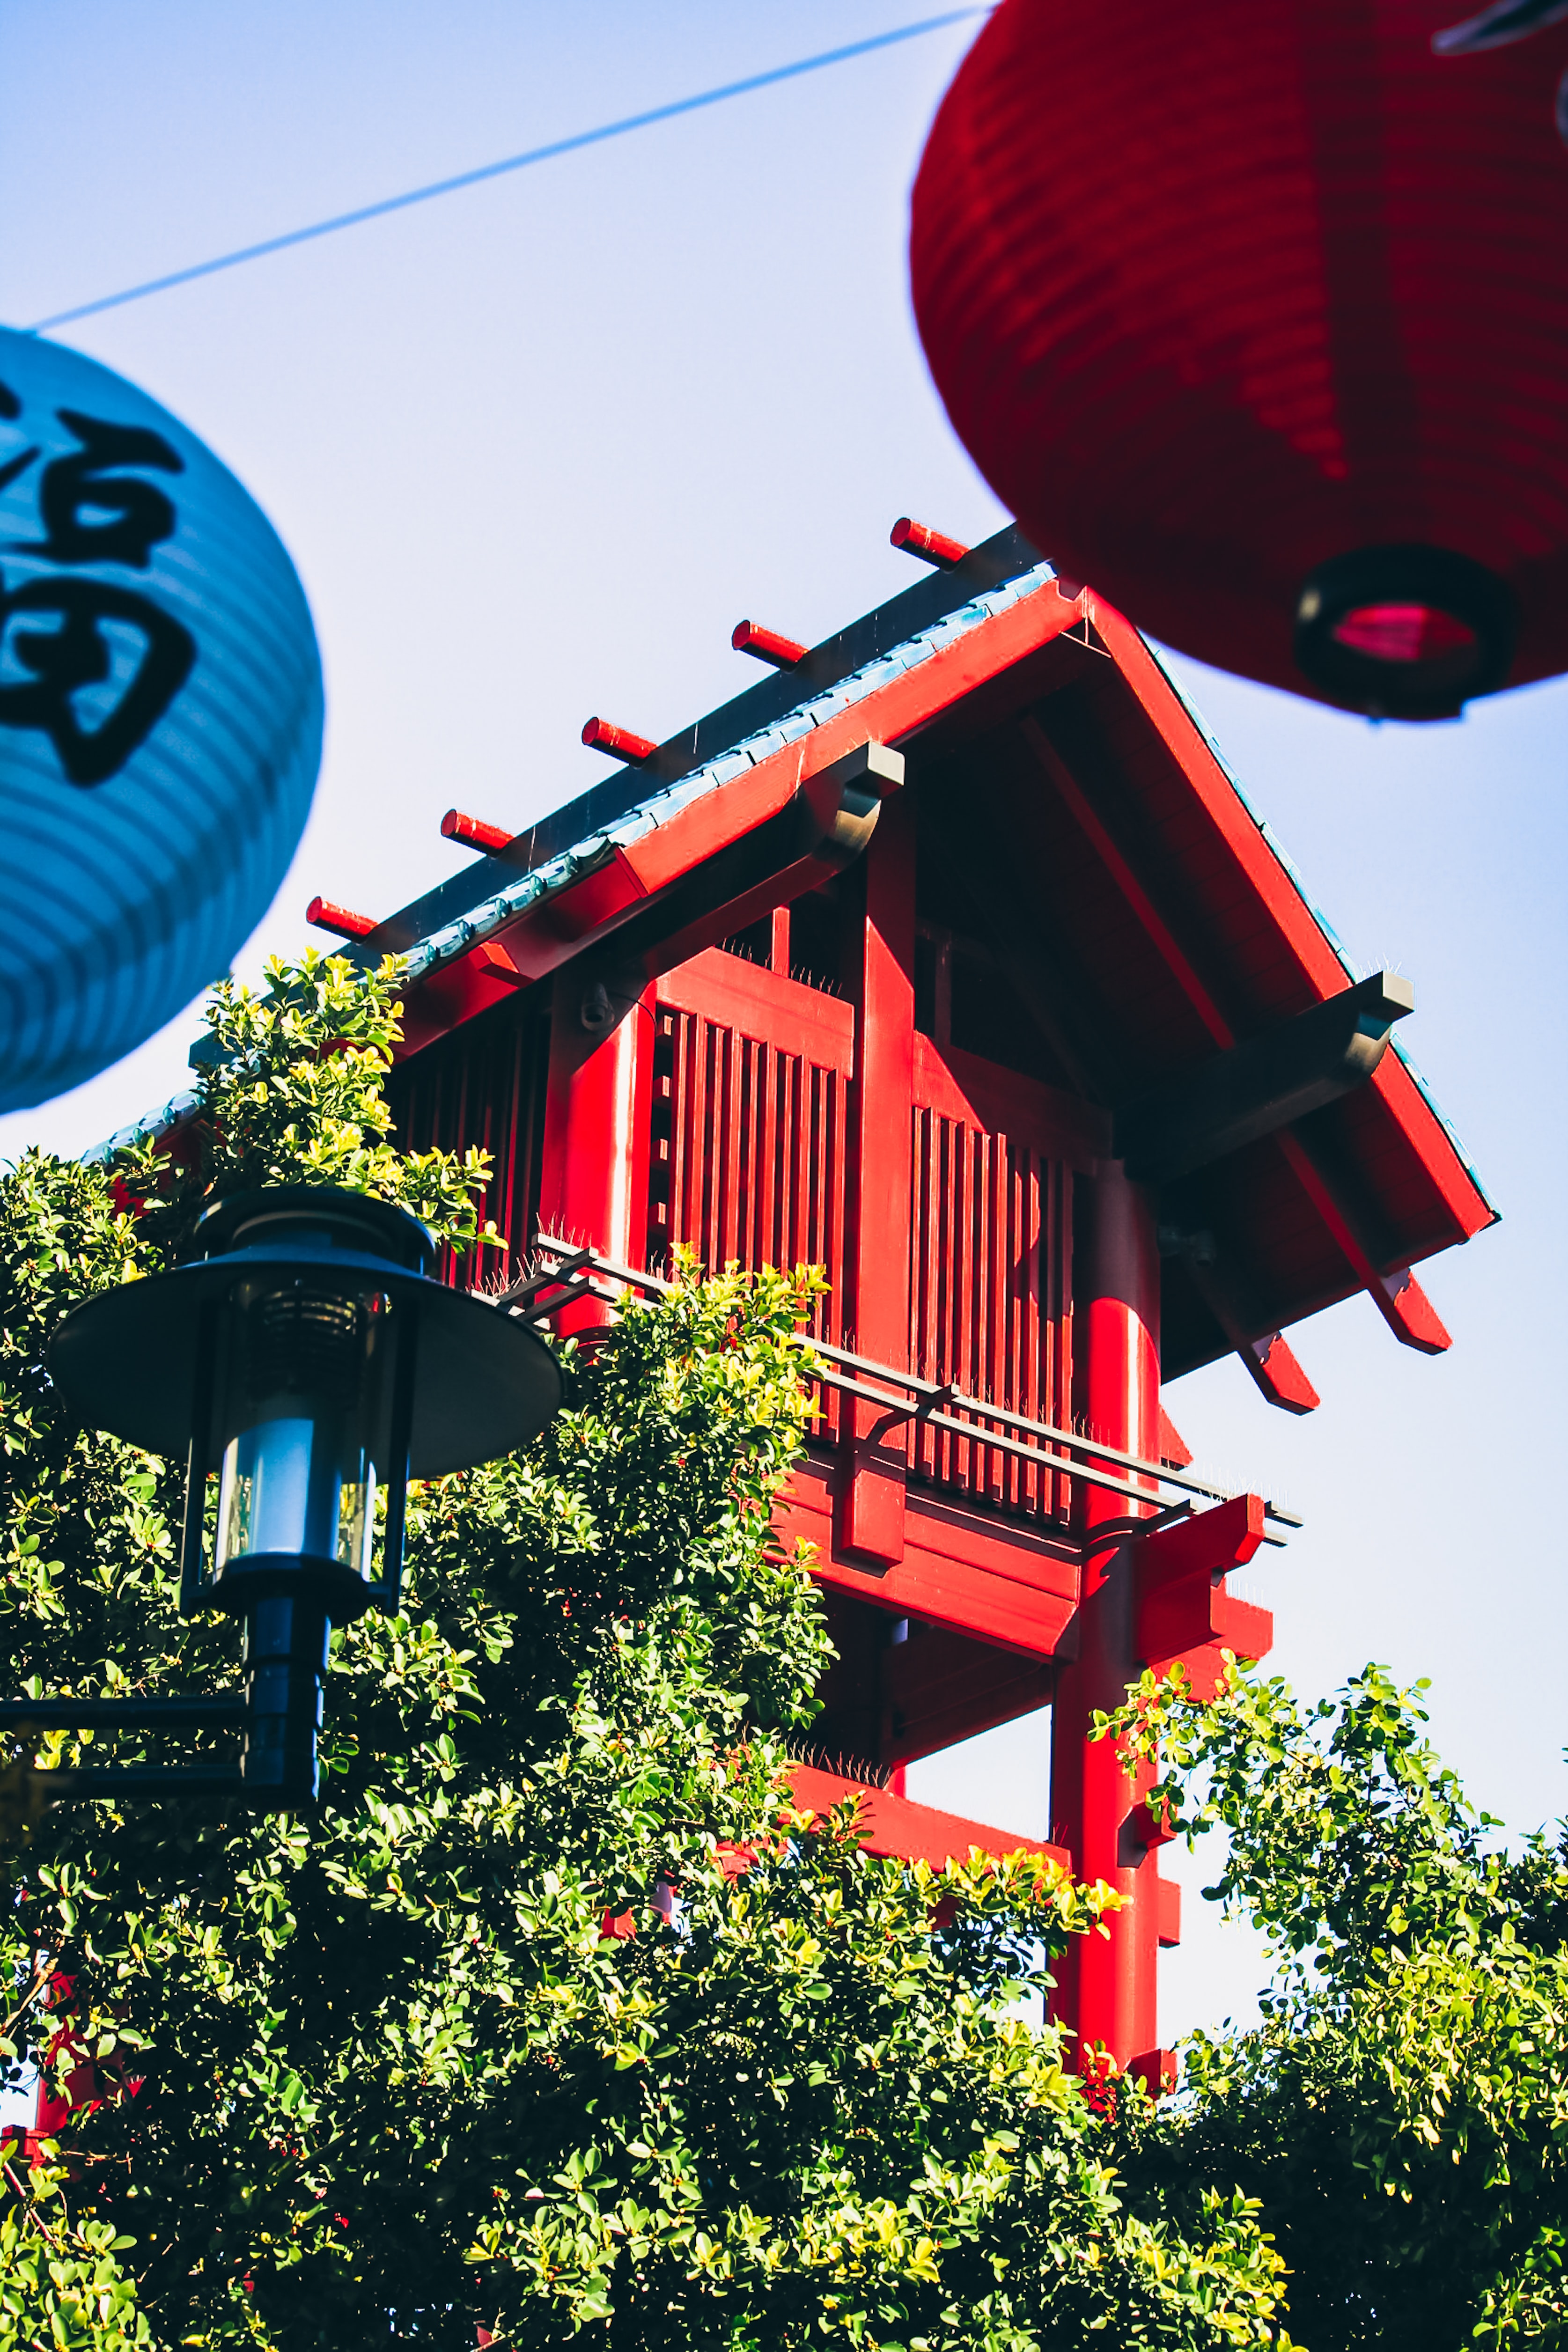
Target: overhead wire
{"points": [[578, 139]]}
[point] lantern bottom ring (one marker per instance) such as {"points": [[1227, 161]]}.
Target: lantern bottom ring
{"points": [[1404, 632]]}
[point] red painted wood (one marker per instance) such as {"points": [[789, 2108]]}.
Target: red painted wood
{"points": [[1404, 1305], [483, 1087], [1273, 1365], [908, 701], [933, 547], [326, 914], [767, 646], [938, 1687], [893, 1825], [1185, 1615], [1399, 1299], [1130, 888], [620, 742], [1174, 1446], [1106, 1984], [474, 833], [1208, 1543], [593, 1183], [780, 1201], [877, 1255], [981, 1094], [985, 1579], [1159, 2071]]}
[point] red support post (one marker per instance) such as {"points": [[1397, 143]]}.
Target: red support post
{"points": [[1106, 1984], [598, 1101], [877, 1251]]}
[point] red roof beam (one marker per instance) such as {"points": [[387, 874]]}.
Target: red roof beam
{"points": [[602, 735], [767, 646], [933, 547], [473, 832], [902, 1830], [326, 916], [1399, 1299]]}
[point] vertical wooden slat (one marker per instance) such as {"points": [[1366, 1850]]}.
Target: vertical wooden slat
{"points": [[769, 1237], [928, 1284], [758, 1143], [475, 1090], [1031, 1336], [791, 1143], [998, 1484], [1068, 1339], [727, 1142], [757, 1159], [838, 1131], [961, 1367], [702, 1172]]}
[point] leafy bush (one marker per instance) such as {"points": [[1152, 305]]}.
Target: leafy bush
{"points": [[1401, 2112], [553, 2017]]}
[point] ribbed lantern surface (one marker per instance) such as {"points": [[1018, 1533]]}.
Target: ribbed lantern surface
{"points": [[160, 717], [1256, 313]]}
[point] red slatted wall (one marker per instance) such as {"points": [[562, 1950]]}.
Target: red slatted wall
{"points": [[483, 1086], [990, 1289], [748, 1163], [748, 1156]]}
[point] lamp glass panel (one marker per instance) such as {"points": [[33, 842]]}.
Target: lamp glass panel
{"points": [[305, 1410]]}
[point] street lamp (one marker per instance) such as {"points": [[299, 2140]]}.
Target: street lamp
{"points": [[306, 1357]]}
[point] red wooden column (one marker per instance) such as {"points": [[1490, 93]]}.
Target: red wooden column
{"points": [[1106, 1987], [594, 1178], [877, 1258]]}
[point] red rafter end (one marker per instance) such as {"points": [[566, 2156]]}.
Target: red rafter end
{"points": [[327, 916], [473, 832], [781, 653], [933, 547], [619, 742]]}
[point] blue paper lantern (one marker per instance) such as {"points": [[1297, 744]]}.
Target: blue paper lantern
{"points": [[160, 717]]}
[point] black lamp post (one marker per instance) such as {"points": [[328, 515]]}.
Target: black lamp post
{"points": [[306, 1356]]}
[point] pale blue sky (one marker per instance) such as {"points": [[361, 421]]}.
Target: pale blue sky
{"points": [[537, 447]]}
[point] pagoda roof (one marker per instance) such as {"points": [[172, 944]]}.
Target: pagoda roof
{"points": [[1122, 877]]}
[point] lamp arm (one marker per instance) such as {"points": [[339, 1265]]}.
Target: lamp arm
{"points": [[121, 1714], [26, 1788]]}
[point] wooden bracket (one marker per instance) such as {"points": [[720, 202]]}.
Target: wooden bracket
{"points": [[1253, 1088], [1185, 1616]]}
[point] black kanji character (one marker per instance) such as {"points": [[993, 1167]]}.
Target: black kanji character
{"points": [[10, 409], [77, 654], [91, 482]]}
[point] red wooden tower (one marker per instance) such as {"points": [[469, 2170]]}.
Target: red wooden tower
{"points": [[949, 956]]}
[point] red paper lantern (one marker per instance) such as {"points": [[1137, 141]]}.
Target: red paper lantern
{"points": [[1256, 313]]}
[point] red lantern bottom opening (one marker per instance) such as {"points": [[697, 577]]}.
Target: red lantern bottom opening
{"points": [[1404, 632]]}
